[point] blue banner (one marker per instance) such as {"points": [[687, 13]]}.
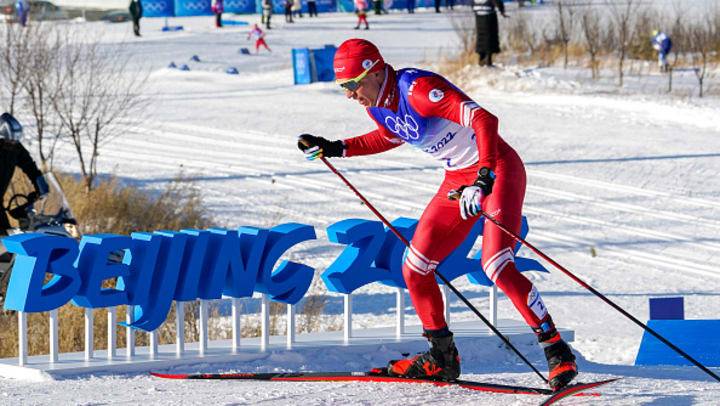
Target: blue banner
{"points": [[346, 5], [240, 6], [326, 6], [158, 8], [278, 7], [302, 70], [193, 8]]}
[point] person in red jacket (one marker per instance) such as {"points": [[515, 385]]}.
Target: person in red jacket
{"points": [[361, 11], [425, 110], [259, 36]]}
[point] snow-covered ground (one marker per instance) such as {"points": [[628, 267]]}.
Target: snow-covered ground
{"points": [[631, 178]]}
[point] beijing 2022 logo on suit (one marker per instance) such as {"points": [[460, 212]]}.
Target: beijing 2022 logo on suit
{"points": [[406, 129]]}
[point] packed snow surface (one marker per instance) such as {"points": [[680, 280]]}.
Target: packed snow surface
{"points": [[622, 190]]}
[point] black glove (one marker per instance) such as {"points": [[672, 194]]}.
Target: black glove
{"points": [[315, 147]]}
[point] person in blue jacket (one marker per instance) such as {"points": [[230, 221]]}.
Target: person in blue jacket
{"points": [[662, 44], [22, 7]]}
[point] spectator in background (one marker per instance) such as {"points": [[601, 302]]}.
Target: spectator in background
{"points": [[662, 44], [217, 9], [486, 24], [136, 13], [22, 7], [360, 10], [411, 6], [437, 6], [377, 7], [312, 8], [288, 11], [297, 8], [259, 36], [267, 9], [450, 4]]}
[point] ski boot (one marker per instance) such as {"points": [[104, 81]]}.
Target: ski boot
{"points": [[561, 361], [441, 362]]}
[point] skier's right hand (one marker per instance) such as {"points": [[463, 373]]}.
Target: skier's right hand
{"points": [[318, 147]]}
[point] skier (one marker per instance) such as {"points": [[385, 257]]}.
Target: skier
{"points": [[12, 154], [486, 25], [423, 109], [662, 44], [259, 36]]}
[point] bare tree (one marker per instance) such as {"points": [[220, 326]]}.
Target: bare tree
{"points": [[703, 40], [622, 15], [521, 34], [678, 33], [565, 23], [96, 98], [40, 87], [14, 51], [590, 24]]}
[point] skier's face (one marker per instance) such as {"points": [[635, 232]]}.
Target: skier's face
{"points": [[368, 91]]}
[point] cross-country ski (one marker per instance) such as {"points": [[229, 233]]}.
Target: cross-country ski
{"points": [[381, 375]]}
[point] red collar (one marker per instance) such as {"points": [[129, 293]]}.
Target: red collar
{"points": [[387, 97]]}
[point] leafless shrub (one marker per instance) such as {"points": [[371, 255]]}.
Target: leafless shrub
{"points": [[703, 35], [96, 95], [644, 24], [464, 27], [40, 88], [14, 50], [592, 35], [565, 25], [622, 14], [521, 36], [311, 312]]}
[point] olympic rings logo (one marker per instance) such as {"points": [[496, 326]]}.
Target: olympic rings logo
{"points": [[195, 5], [406, 129], [155, 5], [240, 4]]}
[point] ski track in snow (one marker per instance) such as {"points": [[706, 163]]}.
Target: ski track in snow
{"points": [[632, 179]]}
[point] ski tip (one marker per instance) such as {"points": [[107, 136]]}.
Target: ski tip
{"points": [[166, 376], [577, 389], [594, 384]]}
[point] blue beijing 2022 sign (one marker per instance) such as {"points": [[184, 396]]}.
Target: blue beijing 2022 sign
{"points": [[162, 266]]}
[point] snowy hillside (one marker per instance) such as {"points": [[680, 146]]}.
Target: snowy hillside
{"points": [[630, 179]]}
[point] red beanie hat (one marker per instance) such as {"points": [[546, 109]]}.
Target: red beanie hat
{"points": [[354, 56]]}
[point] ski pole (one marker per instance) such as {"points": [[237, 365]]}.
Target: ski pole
{"points": [[601, 296], [445, 280]]}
